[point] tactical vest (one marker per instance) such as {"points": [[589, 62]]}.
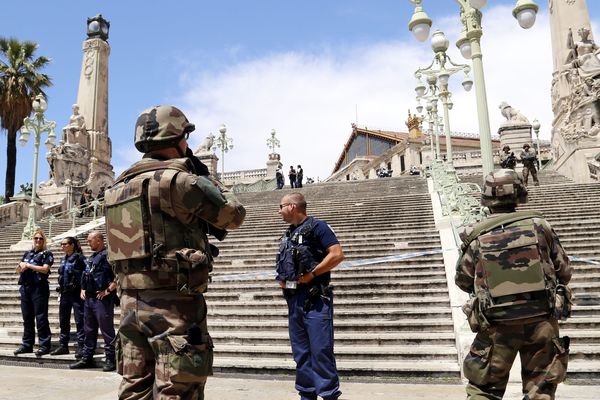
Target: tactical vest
{"points": [[148, 245], [514, 280], [70, 273], [95, 275], [296, 257]]}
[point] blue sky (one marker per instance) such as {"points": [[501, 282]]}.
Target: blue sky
{"points": [[307, 69]]}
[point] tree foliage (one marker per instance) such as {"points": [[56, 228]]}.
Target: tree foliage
{"points": [[20, 82]]}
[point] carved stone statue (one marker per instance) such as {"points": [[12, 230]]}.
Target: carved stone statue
{"points": [[584, 54], [75, 132], [512, 115], [206, 146]]}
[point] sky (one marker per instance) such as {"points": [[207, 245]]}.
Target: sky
{"points": [[306, 68]]}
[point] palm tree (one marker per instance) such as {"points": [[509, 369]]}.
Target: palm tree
{"points": [[20, 82]]}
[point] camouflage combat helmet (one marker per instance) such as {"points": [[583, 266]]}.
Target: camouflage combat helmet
{"points": [[503, 187], [506, 148], [526, 145], [160, 127]]}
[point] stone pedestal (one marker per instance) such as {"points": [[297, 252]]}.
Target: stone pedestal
{"points": [[272, 165], [211, 161], [515, 136]]}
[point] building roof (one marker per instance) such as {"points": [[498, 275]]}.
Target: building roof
{"points": [[394, 137], [459, 139]]}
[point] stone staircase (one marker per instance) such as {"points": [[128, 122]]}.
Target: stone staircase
{"points": [[392, 318], [574, 214]]}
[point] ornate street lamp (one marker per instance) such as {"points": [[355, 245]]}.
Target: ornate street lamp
{"points": [[273, 142], [536, 128], [469, 44], [38, 125], [225, 144], [438, 73]]}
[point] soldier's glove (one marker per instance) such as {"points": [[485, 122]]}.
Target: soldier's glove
{"points": [[192, 256]]}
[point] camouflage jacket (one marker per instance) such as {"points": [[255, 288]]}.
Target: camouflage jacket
{"points": [[528, 157], [178, 208], [471, 278]]}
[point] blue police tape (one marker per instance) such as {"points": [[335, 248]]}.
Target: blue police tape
{"points": [[248, 276], [585, 260]]}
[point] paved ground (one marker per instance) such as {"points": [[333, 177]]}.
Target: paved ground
{"points": [[34, 383]]}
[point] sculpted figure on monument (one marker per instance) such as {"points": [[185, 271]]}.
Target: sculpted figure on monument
{"points": [[584, 54], [75, 132], [512, 115], [206, 146]]}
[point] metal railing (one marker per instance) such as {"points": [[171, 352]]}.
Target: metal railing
{"points": [[94, 209], [458, 199]]}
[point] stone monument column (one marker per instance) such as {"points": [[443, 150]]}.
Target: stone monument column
{"points": [[575, 89], [92, 99], [83, 157]]}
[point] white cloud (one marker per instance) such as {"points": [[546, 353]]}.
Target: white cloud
{"points": [[311, 99]]}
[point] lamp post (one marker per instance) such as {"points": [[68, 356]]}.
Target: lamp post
{"points": [[430, 122], [469, 44], [536, 128], [38, 125], [225, 144], [273, 142], [438, 74]]}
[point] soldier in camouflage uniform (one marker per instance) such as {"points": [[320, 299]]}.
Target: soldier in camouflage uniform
{"points": [[159, 213], [529, 160], [516, 272]]}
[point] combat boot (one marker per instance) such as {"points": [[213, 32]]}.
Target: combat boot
{"points": [[60, 351]]}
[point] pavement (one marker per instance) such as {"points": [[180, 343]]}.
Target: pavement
{"points": [[32, 383]]}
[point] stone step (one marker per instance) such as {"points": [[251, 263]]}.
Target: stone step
{"points": [[344, 353], [356, 325], [423, 370], [407, 339]]}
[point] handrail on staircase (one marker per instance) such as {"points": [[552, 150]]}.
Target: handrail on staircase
{"points": [[94, 208], [457, 198]]}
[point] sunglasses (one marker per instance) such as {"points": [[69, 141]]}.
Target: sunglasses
{"points": [[284, 205], [38, 238], [66, 244]]}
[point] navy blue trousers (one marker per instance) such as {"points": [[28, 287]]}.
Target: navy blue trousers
{"points": [[70, 301], [99, 314], [311, 336], [34, 308]]}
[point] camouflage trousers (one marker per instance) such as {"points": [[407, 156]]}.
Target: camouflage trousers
{"points": [[164, 350], [533, 171], [543, 360]]}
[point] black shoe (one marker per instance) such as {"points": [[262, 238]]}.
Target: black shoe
{"points": [[109, 366], [83, 363], [42, 351], [22, 350], [60, 351]]}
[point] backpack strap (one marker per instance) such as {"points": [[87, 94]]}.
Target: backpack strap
{"points": [[494, 222]]}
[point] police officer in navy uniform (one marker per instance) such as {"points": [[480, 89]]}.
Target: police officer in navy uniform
{"points": [[34, 269], [70, 272], [97, 290], [309, 250]]}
